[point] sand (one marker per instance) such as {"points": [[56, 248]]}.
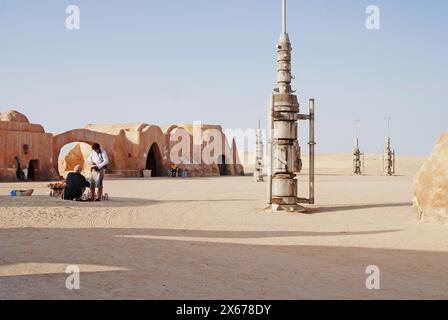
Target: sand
{"points": [[207, 238]]}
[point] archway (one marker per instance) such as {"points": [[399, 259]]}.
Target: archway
{"points": [[72, 154], [154, 161], [222, 166], [78, 135]]}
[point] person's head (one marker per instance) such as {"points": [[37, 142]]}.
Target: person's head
{"points": [[96, 147], [77, 168]]}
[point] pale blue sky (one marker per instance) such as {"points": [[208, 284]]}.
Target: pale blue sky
{"points": [[178, 61]]}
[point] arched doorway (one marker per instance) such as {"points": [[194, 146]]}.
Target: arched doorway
{"points": [[72, 154], [154, 161], [222, 165], [33, 170]]}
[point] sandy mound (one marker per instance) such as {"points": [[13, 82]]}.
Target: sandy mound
{"points": [[431, 185]]}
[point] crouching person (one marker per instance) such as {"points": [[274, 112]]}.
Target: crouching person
{"points": [[76, 184]]}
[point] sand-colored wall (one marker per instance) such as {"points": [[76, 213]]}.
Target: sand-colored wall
{"points": [[127, 146], [13, 136]]}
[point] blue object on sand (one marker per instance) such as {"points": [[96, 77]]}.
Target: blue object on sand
{"points": [[13, 193]]}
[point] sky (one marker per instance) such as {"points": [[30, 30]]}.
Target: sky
{"points": [[163, 62]]}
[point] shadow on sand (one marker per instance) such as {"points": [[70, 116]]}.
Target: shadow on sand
{"points": [[141, 265], [47, 201], [358, 207]]}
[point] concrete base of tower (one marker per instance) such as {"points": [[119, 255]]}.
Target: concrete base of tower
{"points": [[286, 208]]}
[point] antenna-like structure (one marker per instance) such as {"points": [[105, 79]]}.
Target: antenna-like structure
{"points": [[284, 150], [283, 16], [357, 134], [389, 153], [258, 170], [358, 156]]}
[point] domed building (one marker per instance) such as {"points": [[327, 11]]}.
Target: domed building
{"points": [[27, 152], [25, 149], [13, 116]]}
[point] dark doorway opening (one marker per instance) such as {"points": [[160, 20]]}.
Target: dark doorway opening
{"points": [[222, 165], [154, 161], [33, 170]]}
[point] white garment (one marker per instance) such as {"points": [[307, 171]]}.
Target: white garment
{"points": [[99, 159]]}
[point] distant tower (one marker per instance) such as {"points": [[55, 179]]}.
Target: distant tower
{"points": [[389, 153], [284, 150], [259, 151], [358, 156]]}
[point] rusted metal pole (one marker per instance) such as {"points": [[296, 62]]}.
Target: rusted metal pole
{"points": [[312, 144]]}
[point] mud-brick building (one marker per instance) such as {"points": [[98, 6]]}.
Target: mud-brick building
{"points": [[26, 145], [132, 148]]}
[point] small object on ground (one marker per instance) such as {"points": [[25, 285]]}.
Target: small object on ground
{"points": [[56, 185], [105, 196], [85, 196], [173, 171], [147, 173], [22, 193], [56, 188]]}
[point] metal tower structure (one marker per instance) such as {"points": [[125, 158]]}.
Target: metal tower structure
{"points": [[358, 156], [259, 152], [284, 149], [389, 153]]}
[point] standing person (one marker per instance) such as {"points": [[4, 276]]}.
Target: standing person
{"points": [[19, 172], [76, 183], [99, 160]]}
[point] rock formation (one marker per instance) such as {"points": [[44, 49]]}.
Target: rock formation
{"points": [[431, 185]]}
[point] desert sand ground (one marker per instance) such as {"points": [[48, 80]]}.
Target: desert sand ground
{"points": [[208, 238]]}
